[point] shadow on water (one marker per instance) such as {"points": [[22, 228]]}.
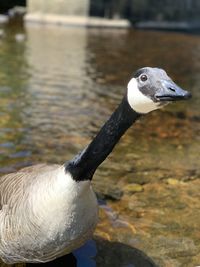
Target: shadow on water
{"points": [[102, 253], [58, 85], [120, 255]]}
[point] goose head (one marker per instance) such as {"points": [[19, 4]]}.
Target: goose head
{"points": [[151, 88]]}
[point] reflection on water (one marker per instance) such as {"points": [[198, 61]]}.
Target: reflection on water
{"points": [[57, 87]]}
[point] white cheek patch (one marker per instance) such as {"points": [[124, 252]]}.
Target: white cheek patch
{"points": [[138, 101]]}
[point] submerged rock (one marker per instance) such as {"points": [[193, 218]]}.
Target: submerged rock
{"points": [[172, 181], [110, 193], [132, 188]]}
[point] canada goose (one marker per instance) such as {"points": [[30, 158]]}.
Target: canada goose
{"points": [[47, 211]]}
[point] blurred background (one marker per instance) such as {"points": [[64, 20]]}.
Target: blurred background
{"points": [[134, 10], [64, 67]]}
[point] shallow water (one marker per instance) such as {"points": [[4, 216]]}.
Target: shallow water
{"points": [[58, 85]]}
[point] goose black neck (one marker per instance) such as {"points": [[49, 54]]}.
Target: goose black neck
{"points": [[83, 166]]}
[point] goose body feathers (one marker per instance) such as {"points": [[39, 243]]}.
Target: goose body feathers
{"points": [[44, 214]]}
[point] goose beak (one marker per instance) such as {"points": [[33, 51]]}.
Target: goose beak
{"points": [[169, 91]]}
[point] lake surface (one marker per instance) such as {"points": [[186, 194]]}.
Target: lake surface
{"points": [[58, 86]]}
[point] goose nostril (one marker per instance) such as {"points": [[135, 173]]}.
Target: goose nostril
{"points": [[172, 89]]}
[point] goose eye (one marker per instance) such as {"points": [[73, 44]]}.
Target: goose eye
{"points": [[143, 77]]}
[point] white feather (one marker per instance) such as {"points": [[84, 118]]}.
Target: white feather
{"points": [[138, 101]]}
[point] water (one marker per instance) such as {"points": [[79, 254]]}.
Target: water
{"points": [[58, 85]]}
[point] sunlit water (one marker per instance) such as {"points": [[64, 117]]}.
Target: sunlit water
{"points": [[57, 87]]}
